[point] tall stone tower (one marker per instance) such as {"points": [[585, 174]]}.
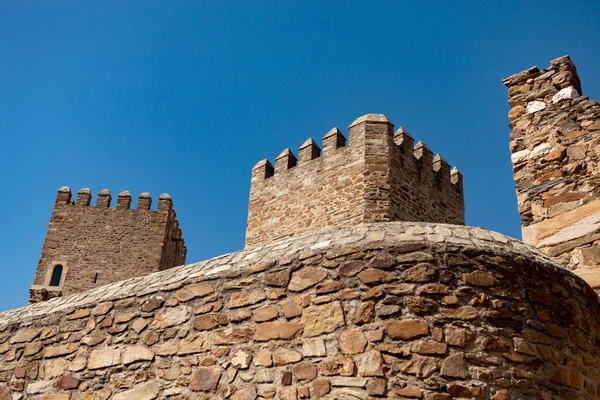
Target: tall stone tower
{"points": [[378, 177], [89, 246], [555, 146]]}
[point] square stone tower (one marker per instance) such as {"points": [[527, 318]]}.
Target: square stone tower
{"points": [[88, 246], [379, 176]]}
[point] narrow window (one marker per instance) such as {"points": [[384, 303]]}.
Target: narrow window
{"points": [[56, 275], [96, 277]]}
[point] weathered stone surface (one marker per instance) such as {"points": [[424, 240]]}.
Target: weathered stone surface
{"points": [[480, 278], [282, 356], [205, 322], [276, 330], [241, 359], [321, 387], [152, 303], [305, 371], [144, 391], [232, 335], [352, 342], [61, 350], [57, 396], [420, 366], [422, 272], [351, 268], [102, 308], [25, 335], [374, 276], [314, 347], [464, 313], [406, 329], [343, 366], [429, 347], [245, 392], [205, 379], [455, 366], [280, 278], [377, 387], [192, 291], [171, 317], [66, 382], [265, 313], [292, 307], [132, 354], [458, 337], [103, 358], [306, 278], [246, 298], [412, 392], [322, 319], [369, 363]]}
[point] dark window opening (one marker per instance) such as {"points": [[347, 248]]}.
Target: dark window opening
{"points": [[56, 275], [96, 277]]}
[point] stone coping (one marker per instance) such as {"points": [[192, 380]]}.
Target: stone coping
{"points": [[378, 235]]}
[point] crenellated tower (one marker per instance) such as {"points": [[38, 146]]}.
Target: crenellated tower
{"points": [[378, 176], [88, 246], [555, 146]]}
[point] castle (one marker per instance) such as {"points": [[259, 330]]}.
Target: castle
{"points": [[103, 244], [358, 279]]}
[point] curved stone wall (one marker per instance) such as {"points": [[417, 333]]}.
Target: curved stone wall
{"points": [[390, 310]]}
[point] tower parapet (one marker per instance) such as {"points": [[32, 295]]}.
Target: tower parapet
{"points": [[87, 246], [378, 176], [555, 152]]}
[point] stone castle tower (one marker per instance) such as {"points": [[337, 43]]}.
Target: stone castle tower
{"points": [[378, 177], [555, 145], [358, 281], [89, 246]]}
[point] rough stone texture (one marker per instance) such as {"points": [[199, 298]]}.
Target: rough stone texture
{"points": [[556, 164], [83, 239], [378, 176], [530, 332]]}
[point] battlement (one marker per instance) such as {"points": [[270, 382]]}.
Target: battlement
{"points": [[87, 246], [377, 175], [124, 200]]}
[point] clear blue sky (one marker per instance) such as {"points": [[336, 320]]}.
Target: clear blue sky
{"points": [[185, 96]]}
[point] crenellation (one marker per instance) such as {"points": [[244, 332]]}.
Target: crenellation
{"points": [[104, 199], [84, 197], [332, 141], [63, 196], [456, 178], [377, 176], [165, 203], [423, 153], [285, 160], [262, 170], [144, 201], [442, 170], [308, 151], [404, 140], [124, 200]]}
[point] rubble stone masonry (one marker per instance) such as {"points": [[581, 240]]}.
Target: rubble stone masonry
{"points": [[379, 176], [96, 245], [555, 146], [387, 310]]}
